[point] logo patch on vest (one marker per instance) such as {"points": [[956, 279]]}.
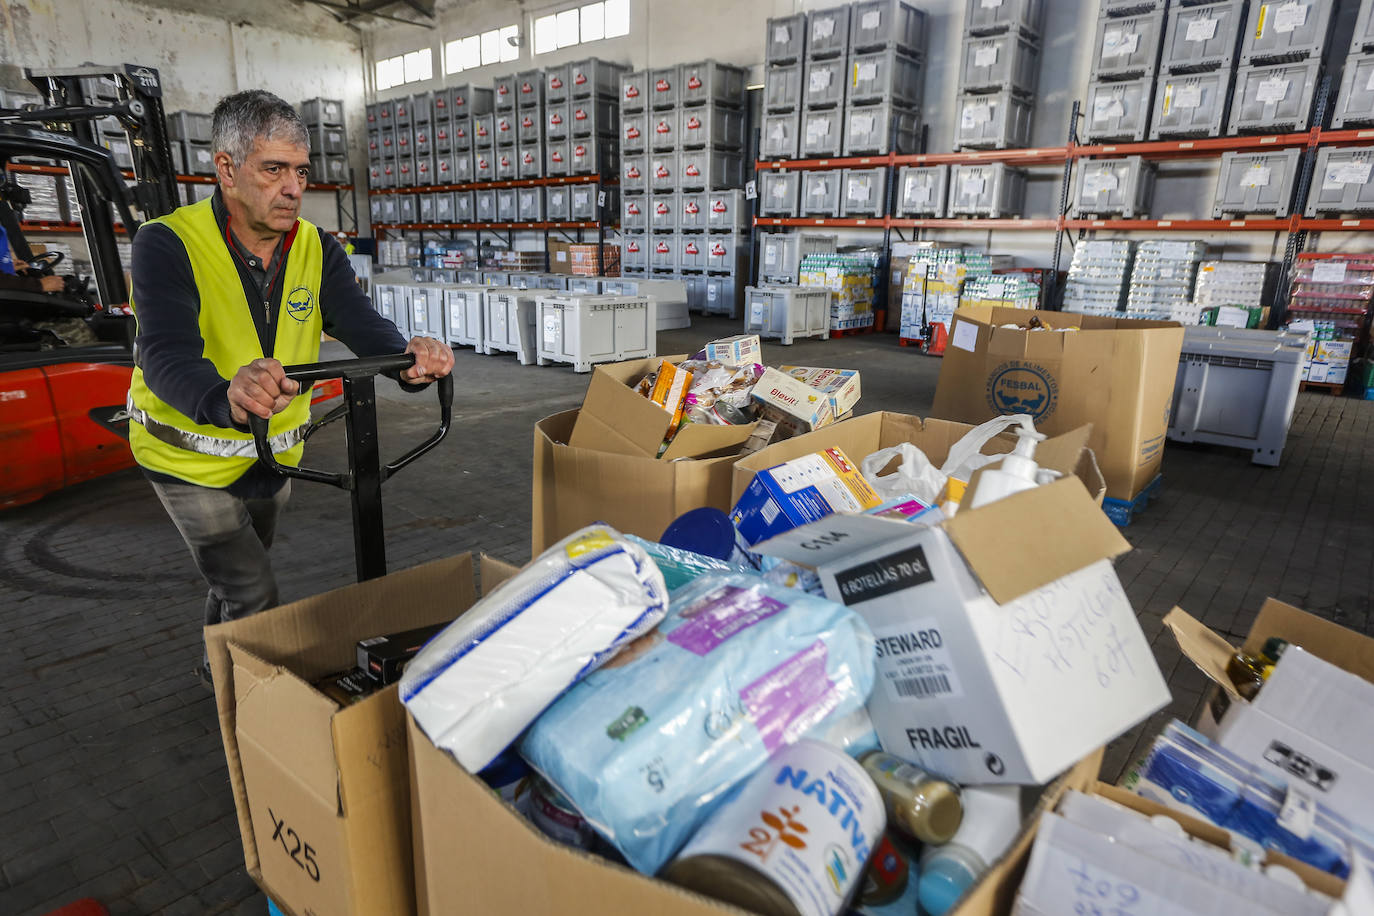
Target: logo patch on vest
{"points": [[300, 303]]}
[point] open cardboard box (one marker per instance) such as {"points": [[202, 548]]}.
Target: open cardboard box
{"points": [[322, 791], [599, 463], [1117, 374]]}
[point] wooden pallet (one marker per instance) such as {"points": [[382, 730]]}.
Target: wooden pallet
{"points": [[1327, 387]]}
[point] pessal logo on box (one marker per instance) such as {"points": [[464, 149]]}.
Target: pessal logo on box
{"points": [[884, 576], [1021, 387]]}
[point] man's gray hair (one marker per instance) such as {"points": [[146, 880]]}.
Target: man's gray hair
{"points": [[243, 117]]}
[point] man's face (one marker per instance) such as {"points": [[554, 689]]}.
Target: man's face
{"points": [[268, 184]]}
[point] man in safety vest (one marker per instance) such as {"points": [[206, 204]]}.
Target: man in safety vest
{"points": [[227, 291]]}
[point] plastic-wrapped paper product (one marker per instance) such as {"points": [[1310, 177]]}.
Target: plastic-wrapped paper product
{"points": [[679, 566], [648, 747], [476, 686]]}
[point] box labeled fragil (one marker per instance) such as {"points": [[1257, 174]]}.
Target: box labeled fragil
{"points": [[740, 350], [799, 491], [840, 385]]}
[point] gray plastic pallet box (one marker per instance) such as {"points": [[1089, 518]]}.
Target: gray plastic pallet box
{"points": [[881, 129], [664, 83], [865, 193], [634, 213], [824, 83], [880, 24], [464, 206], [408, 209], [462, 133], [558, 204], [662, 172], [723, 295], [529, 89], [1127, 47], [391, 208], [696, 291], [885, 76], [427, 310], [1363, 37], [423, 137], [921, 191], [821, 192], [635, 171], [1274, 98], [779, 193], [592, 155], [787, 312], [484, 131], [507, 127], [556, 117], [507, 161], [710, 81], [529, 161], [485, 206], [336, 167], [634, 252], [1355, 103], [530, 127], [1286, 31], [1340, 182], [693, 212], [592, 117], [471, 100], [1114, 187], [443, 136], [584, 202], [505, 205], [595, 77], [781, 253], [710, 169], [1191, 104], [711, 125], [465, 315], [510, 320], [691, 252], [990, 17], [994, 189], [503, 92], [727, 211], [1256, 183], [996, 62], [1205, 37], [589, 329], [586, 285], [556, 80], [822, 133], [557, 157], [634, 91], [663, 251], [782, 87], [663, 130], [780, 137], [192, 125], [634, 132], [663, 212], [827, 32], [427, 209], [998, 121], [421, 108], [1117, 111], [464, 167], [725, 251], [785, 38], [529, 205], [315, 111]]}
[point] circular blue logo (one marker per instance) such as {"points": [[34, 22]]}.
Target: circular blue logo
{"points": [[300, 303], [1018, 387]]}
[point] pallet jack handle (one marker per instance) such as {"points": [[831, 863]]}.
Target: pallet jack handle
{"points": [[366, 473]]}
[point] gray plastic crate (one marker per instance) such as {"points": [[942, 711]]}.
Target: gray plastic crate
{"points": [[443, 136], [822, 133], [634, 91], [585, 203], [405, 141], [636, 172], [723, 295], [779, 193], [827, 32], [921, 191], [1362, 38], [484, 166], [1256, 183], [1340, 182], [1200, 38], [530, 127], [1117, 111], [462, 133], [1191, 104], [317, 111], [664, 83], [595, 77], [782, 87], [787, 312], [388, 142], [427, 208], [331, 140], [1287, 31], [821, 193], [1114, 187], [484, 132], [529, 89], [558, 204], [422, 108], [696, 291], [407, 208], [663, 212], [662, 172], [634, 131], [710, 169], [506, 210], [865, 193], [192, 125], [663, 251], [692, 211], [464, 206], [779, 138], [876, 25], [391, 208], [710, 81], [691, 252], [881, 129], [374, 150], [593, 117], [529, 161], [400, 112], [727, 211], [380, 175], [634, 252], [443, 206], [556, 118], [507, 164], [885, 76], [593, 155], [503, 93], [557, 157], [726, 251], [824, 83], [996, 62], [1127, 47], [1274, 98], [471, 100], [995, 190], [998, 121], [711, 125], [663, 130], [506, 128], [1118, 8], [371, 114], [336, 170], [405, 171], [1355, 103], [556, 80], [529, 205], [634, 212], [989, 17], [785, 38], [781, 253], [462, 166], [423, 137]]}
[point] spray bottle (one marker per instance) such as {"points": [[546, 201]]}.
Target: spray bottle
{"points": [[1018, 470]]}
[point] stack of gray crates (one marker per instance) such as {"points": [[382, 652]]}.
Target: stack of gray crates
{"points": [[1127, 40], [887, 46], [784, 61], [998, 76], [189, 132], [324, 120], [1197, 69], [1355, 101], [581, 118], [1280, 66]]}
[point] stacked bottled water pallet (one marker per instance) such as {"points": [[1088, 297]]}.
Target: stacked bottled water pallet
{"points": [[1097, 278], [1162, 278]]}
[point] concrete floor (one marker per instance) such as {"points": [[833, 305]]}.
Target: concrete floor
{"points": [[110, 756]]}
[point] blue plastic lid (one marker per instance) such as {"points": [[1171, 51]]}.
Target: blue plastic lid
{"points": [[943, 882], [706, 531]]}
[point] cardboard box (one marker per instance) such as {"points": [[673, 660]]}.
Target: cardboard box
{"points": [[740, 350], [840, 385], [560, 257], [792, 403], [322, 791], [1311, 736], [802, 490], [1116, 374]]}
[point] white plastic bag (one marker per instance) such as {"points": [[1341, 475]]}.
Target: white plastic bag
{"points": [[915, 475], [966, 455]]}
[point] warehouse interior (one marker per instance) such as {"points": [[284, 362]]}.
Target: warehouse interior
{"points": [[1208, 455]]}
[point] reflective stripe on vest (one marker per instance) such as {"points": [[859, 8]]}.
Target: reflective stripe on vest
{"points": [[167, 441]]}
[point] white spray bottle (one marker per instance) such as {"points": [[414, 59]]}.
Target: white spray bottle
{"points": [[1018, 470]]}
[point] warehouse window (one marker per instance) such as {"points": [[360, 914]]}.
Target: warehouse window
{"points": [[581, 24], [491, 47], [413, 67]]}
